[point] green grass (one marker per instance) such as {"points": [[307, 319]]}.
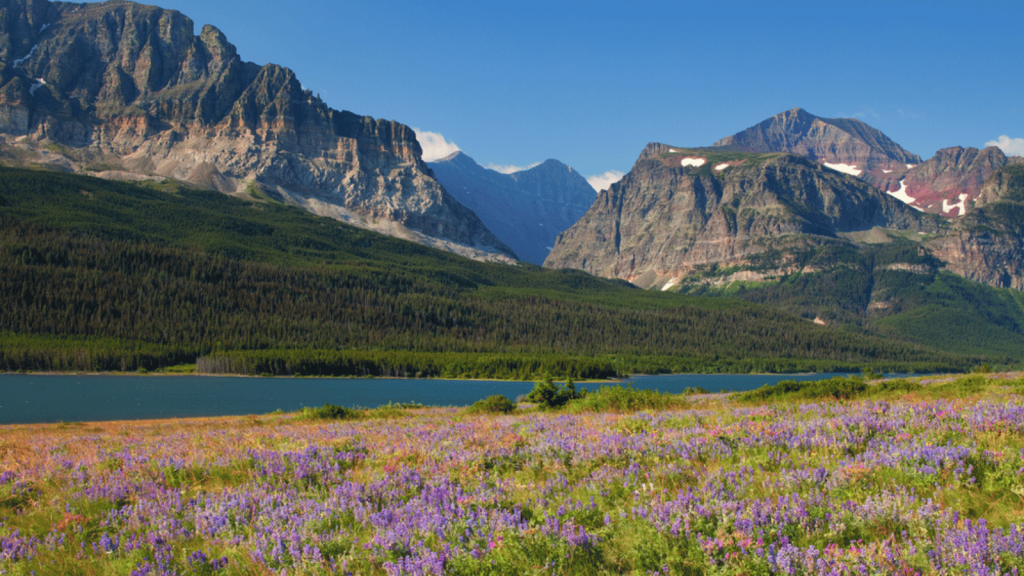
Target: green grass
{"points": [[626, 399]]}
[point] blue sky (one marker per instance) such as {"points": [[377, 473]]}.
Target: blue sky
{"points": [[591, 83]]}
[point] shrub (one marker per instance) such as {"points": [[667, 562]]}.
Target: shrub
{"points": [[626, 399], [839, 388], [961, 387], [547, 394], [900, 386], [328, 412], [496, 404]]}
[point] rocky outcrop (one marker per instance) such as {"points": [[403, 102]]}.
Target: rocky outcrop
{"points": [[987, 244], [680, 209], [950, 183], [527, 209], [131, 88], [845, 144]]}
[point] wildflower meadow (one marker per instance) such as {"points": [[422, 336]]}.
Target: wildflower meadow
{"points": [[919, 477]]}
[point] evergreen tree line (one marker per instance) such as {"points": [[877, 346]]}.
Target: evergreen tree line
{"points": [[189, 304]]}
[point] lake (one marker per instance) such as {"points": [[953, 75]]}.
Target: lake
{"points": [[32, 398]]}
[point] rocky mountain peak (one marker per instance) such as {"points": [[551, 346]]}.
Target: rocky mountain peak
{"points": [[950, 183], [845, 144], [132, 88]]}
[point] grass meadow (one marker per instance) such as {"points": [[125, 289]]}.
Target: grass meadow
{"points": [[922, 476]]}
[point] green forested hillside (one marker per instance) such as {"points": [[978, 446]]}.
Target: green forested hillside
{"points": [[111, 276], [894, 289]]}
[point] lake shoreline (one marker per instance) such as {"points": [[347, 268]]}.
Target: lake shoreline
{"points": [[404, 378], [36, 397]]}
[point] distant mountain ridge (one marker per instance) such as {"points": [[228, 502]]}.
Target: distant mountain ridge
{"points": [[127, 91], [787, 214], [526, 209]]}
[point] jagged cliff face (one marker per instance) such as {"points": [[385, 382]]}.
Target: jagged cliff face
{"points": [[527, 209], [987, 244], [131, 89], [680, 209], [845, 144], [950, 183]]}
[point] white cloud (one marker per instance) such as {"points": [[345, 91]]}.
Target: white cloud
{"points": [[1009, 146], [434, 145], [510, 168], [603, 181]]}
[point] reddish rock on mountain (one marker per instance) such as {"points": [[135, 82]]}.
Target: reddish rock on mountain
{"points": [[950, 183]]}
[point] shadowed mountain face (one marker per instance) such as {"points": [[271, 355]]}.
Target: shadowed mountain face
{"points": [[129, 91], [526, 210]]}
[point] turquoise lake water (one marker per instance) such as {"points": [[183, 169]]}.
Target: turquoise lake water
{"points": [[31, 398]]}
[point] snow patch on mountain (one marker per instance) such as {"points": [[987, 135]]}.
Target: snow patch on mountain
{"points": [[947, 207], [721, 167], [902, 196], [19, 61], [39, 83], [695, 162], [844, 168]]}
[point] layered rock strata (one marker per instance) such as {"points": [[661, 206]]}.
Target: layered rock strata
{"points": [[128, 91], [678, 210]]}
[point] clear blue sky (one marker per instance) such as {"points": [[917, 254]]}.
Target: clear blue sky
{"points": [[590, 83]]}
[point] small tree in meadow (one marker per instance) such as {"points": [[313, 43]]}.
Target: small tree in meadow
{"points": [[548, 394]]}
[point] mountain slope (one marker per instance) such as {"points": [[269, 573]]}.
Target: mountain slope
{"points": [[128, 92], [784, 231], [679, 209], [987, 243], [949, 183], [100, 274], [527, 209]]}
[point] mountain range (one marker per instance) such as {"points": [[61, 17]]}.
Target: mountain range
{"points": [[127, 91], [825, 220], [799, 213]]}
